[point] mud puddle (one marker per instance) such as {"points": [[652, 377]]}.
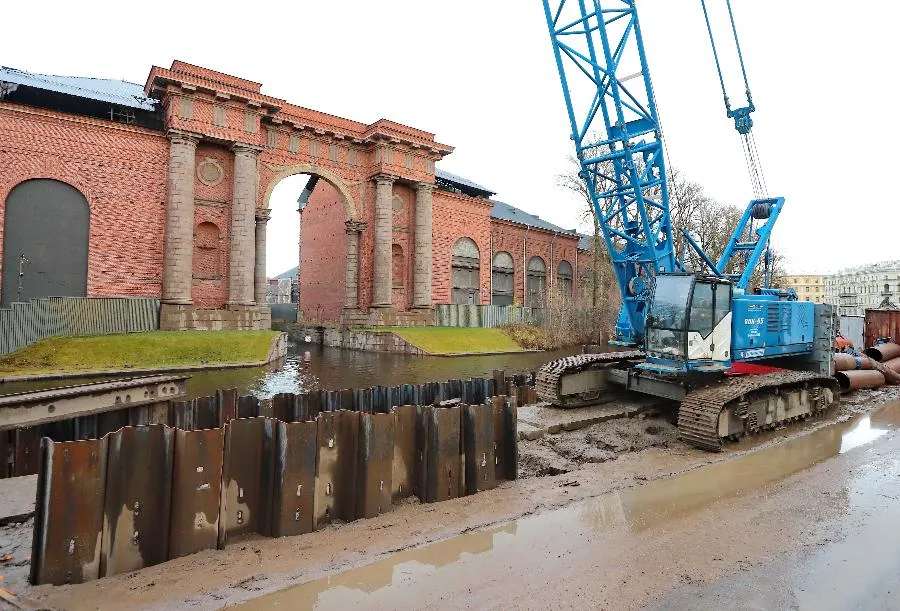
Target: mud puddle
{"points": [[559, 532]]}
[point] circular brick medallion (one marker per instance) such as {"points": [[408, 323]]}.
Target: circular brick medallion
{"points": [[210, 172]]}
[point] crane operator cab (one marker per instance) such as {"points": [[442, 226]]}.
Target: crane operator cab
{"points": [[689, 325]]}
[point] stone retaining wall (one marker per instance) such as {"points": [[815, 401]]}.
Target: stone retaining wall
{"points": [[353, 339]]}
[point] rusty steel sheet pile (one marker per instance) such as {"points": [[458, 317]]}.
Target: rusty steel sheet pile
{"points": [[137, 501], [247, 478], [101, 511], [164, 403], [68, 518], [196, 491], [295, 478]]}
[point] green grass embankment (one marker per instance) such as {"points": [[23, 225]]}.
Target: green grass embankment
{"points": [[154, 350], [454, 340]]}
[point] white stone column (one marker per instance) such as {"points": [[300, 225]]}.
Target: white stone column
{"points": [[384, 220], [261, 282], [242, 261], [423, 238], [354, 228], [178, 260]]}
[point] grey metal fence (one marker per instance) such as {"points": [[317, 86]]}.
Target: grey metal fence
{"points": [[463, 315], [27, 322]]}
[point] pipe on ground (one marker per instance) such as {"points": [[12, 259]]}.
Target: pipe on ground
{"points": [[857, 379], [848, 362], [893, 364], [883, 352]]}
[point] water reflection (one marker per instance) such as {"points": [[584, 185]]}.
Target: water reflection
{"points": [[312, 367]]}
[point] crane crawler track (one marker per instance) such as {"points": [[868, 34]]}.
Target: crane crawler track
{"points": [[698, 415], [549, 377]]}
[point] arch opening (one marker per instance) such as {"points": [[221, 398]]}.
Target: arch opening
{"points": [[306, 247]]}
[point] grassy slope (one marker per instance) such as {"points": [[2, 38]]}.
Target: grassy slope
{"points": [[451, 340], [157, 349]]}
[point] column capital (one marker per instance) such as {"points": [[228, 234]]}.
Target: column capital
{"points": [[424, 186], [355, 226], [263, 215], [182, 137], [385, 179], [246, 148]]}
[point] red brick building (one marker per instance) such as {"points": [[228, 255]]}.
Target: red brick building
{"points": [[112, 188]]}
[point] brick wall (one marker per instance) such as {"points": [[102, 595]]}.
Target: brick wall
{"points": [[324, 256], [550, 248], [213, 186], [457, 216], [121, 171]]}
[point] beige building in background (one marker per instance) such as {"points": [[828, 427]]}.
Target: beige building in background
{"points": [[857, 289], [809, 287]]}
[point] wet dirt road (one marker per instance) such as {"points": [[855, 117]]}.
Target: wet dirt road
{"points": [[811, 523], [624, 519]]}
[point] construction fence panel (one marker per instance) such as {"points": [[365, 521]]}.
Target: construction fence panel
{"points": [[485, 316], [25, 323]]}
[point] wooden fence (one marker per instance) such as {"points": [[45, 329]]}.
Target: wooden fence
{"points": [[27, 322], [464, 315]]}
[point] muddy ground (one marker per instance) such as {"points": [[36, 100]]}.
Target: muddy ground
{"points": [[555, 471]]}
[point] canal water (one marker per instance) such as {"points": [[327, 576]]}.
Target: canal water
{"points": [[312, 367]]}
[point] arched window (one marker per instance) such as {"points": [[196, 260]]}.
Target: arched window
{"points": [[537, 282], [45, 241], [564, 278], [502, 279], [464, 272]]}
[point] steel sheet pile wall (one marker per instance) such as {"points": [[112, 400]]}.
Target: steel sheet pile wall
{"points": [[28, 322], [145, 494], [488, 316], [19, 447]]}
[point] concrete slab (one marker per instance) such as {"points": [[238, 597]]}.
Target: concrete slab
{"points": [[529, 432], [553, 420], [17, 496]]}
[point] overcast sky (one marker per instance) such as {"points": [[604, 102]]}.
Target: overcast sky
{"points": [[480, 75]]}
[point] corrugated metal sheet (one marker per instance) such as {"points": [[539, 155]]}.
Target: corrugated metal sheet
{"points": [[506, 212], [28, 322], [459, 181], [486, 316], [121, 93], [881, 323], [852, 329]]}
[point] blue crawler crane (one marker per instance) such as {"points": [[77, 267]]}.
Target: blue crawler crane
{"points": [[736, 358]]}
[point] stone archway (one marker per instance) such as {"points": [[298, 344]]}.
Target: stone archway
{"points": [[281, 172], [327, 240]]}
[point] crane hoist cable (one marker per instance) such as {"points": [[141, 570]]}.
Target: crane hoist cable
{"points": [[743, 123]]}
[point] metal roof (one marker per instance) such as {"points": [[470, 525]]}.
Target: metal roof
{"points": [[461, 182], [585, 242], [505, 212], [104, 90]]}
